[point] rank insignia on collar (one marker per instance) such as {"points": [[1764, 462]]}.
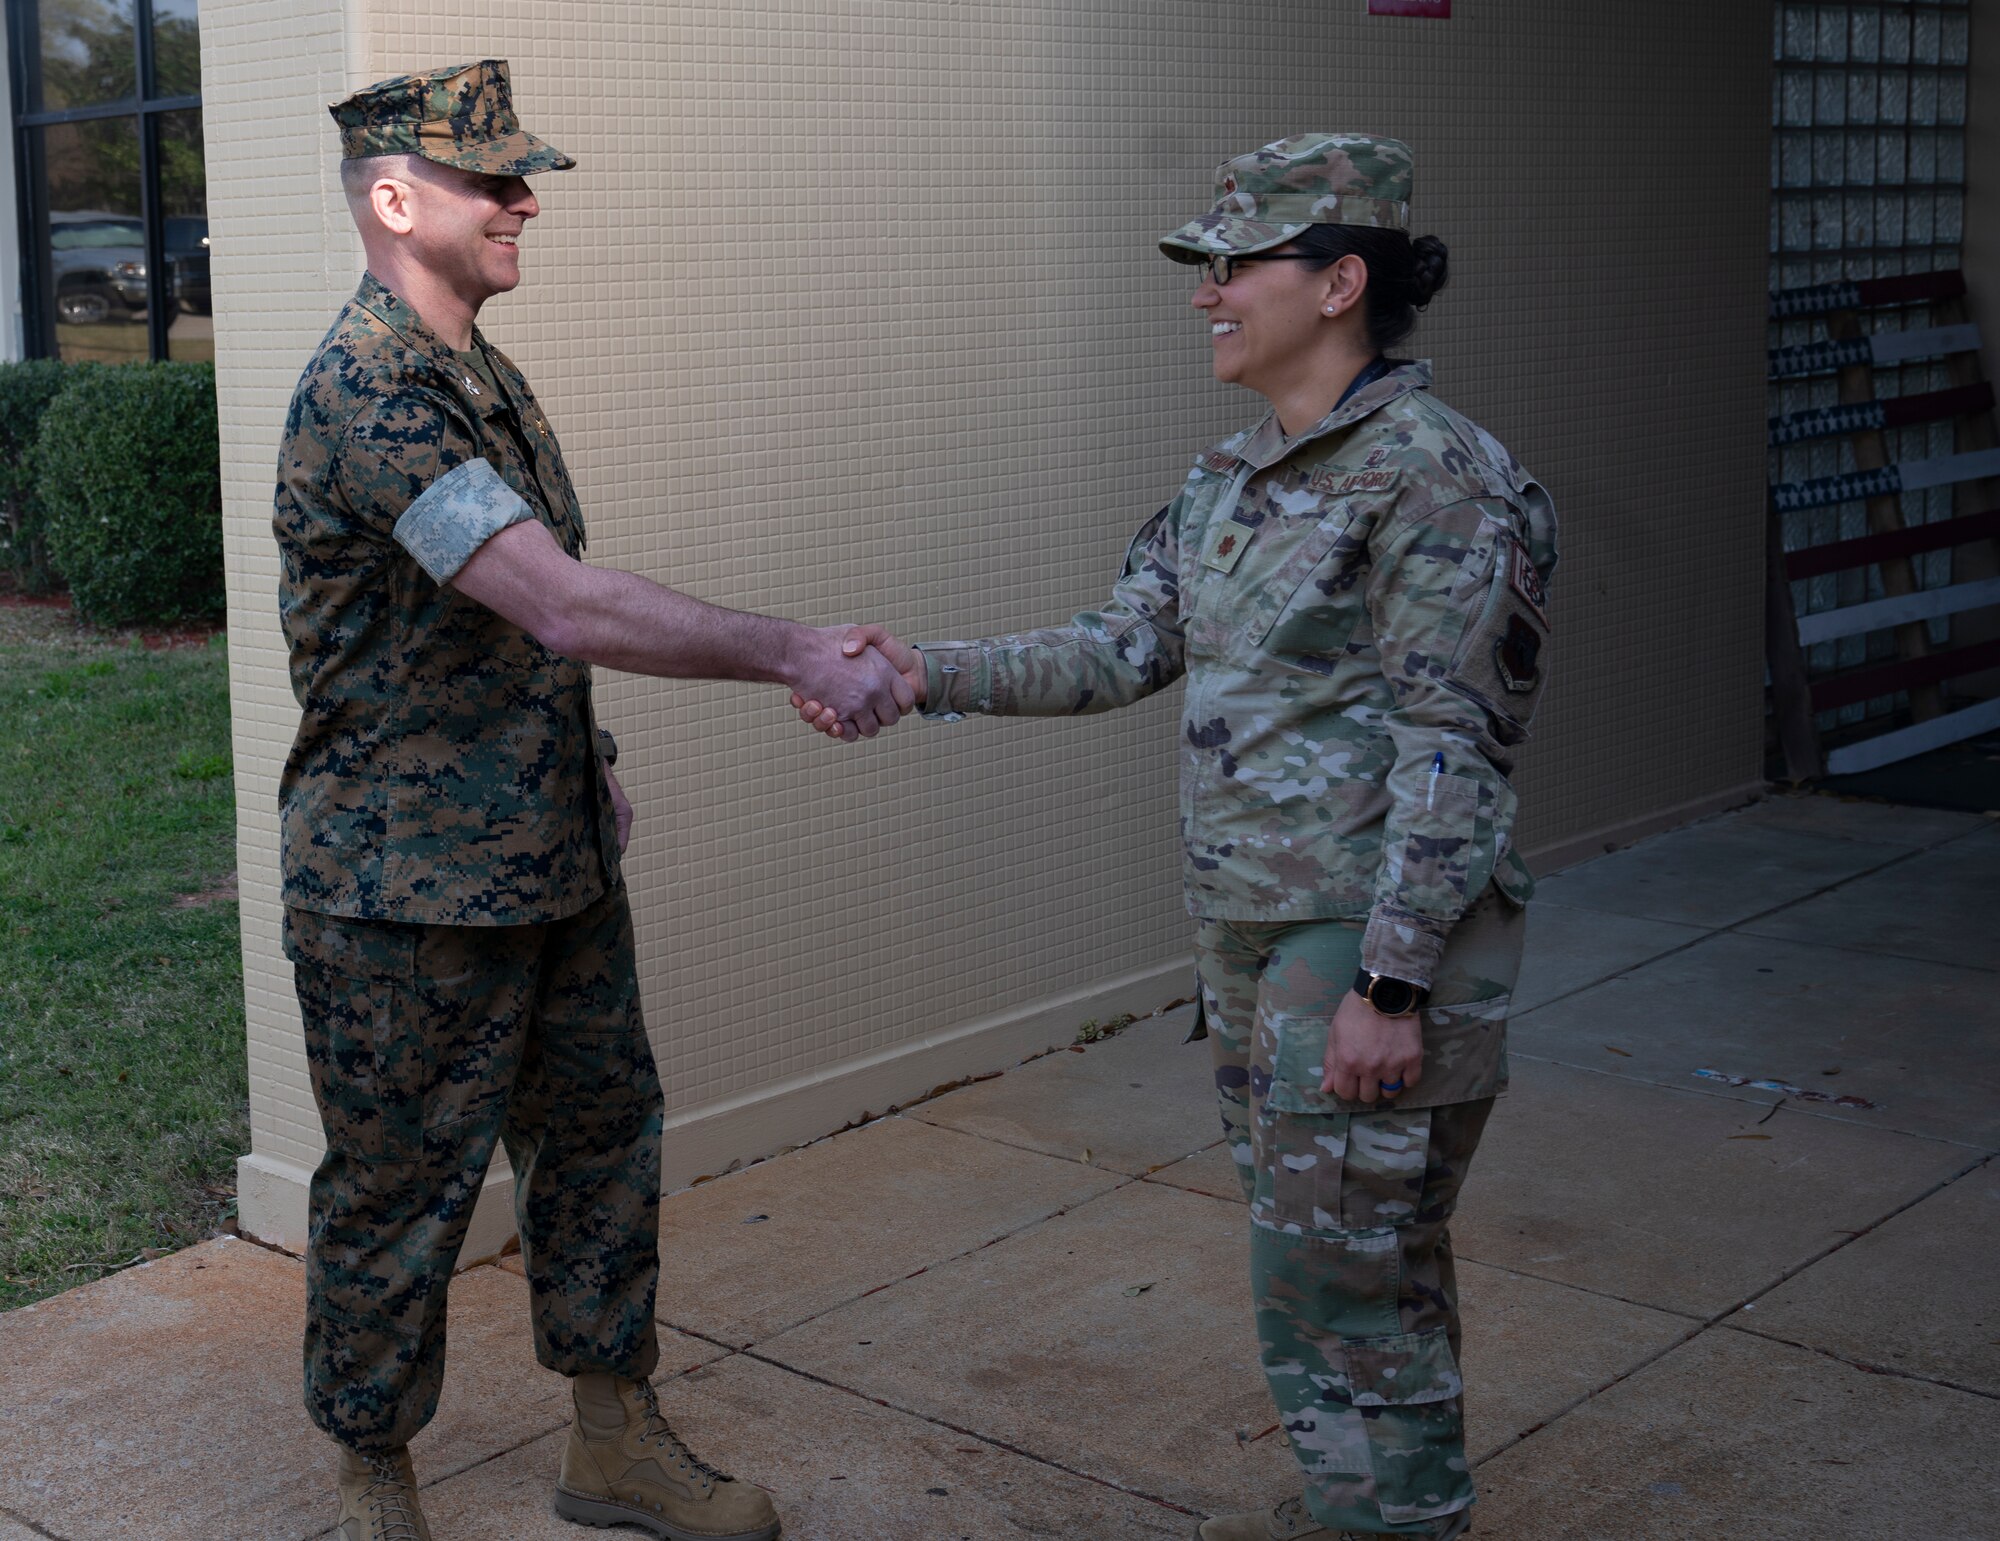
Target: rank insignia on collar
{"points": [[470, 386]]}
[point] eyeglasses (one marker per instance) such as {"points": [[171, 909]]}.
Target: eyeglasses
{"points": [[1222, 269]]}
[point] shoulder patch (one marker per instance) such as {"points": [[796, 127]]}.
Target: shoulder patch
{"points": [[1525, 581], [1338, 482]]}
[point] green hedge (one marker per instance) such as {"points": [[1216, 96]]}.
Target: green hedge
{"points": [[26, 389], [127, 468]]}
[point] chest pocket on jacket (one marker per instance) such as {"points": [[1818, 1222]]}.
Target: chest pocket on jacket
{"points": [[1312, 600]]}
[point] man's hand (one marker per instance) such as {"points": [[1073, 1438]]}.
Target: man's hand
{"points": [[1365, 1048], [621, 810], [899, 655], [857, 680]]}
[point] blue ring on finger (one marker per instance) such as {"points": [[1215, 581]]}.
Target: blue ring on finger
{"points": [[1392, 1086]]}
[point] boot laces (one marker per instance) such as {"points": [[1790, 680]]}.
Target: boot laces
{"points": [[389, 1497], [661, 1433]]}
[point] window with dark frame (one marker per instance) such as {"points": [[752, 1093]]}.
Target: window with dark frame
{"points": [[113, 196]]}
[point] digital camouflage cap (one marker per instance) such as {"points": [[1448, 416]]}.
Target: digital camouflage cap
{"points": [[462, 116], [1269, 196]]}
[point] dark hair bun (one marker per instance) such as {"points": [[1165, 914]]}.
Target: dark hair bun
{"points": [[1430, 269]]}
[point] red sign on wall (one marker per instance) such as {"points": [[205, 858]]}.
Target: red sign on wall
{"points": [[1441, 9]]}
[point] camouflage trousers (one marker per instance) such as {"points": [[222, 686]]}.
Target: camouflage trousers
{"points": [[1352, 1276], [427, 1044]]}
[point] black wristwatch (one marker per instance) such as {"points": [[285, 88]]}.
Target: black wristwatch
{"points": [[607, 747], [1391, 997]]}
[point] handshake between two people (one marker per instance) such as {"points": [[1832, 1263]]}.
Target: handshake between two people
{"points": [[847, 682], [867, 681]]}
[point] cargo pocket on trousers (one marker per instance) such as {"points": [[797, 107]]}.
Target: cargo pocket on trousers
{"points": [[1303, 1129], [605, 1087], [1407, 1388], [365, 1046]]}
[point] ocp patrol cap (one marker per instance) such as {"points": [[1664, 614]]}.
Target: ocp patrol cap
{"points": [[462, 116], [1274, 194]]}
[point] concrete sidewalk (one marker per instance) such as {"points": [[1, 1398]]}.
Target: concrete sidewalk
{"points": [[1694, 1307]]}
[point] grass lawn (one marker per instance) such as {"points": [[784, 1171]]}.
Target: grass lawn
{"points": [[123, 1086]]}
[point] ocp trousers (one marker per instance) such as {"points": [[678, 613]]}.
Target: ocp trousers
{"points": [[1352, 1277], [426, 1044]]}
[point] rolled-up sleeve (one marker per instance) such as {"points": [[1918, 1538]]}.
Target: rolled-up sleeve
{"points": [[411, 470], [456, 515]]}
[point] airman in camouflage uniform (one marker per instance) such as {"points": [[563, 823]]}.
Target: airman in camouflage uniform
{"points": [[457, 923], [1359, 612]]}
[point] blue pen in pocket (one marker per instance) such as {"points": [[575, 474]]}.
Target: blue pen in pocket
{"points": [[1437, 770]]}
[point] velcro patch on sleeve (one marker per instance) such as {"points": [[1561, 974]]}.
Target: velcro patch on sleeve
{"points": [[1338, 482], [1517, 656], [1525, 580]]}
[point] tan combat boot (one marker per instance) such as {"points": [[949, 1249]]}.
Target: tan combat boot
{"points": [[624, 1466], [378, 1498]]}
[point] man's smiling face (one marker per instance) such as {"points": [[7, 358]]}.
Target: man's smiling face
{"points": [[467, 228]]}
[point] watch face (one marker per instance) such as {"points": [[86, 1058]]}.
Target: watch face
{"points": [[1393, 997]]}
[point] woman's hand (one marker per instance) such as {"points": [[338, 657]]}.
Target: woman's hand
{"points": [[1365, 1048]]}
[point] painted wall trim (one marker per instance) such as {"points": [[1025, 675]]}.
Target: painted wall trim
{"points": [[718, 1136]]}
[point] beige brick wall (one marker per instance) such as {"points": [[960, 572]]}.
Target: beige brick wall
{"points": [[852, 309]]}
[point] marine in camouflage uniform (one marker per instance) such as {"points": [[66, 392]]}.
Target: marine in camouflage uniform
{"points": [[1359, 613], [454, 912]]}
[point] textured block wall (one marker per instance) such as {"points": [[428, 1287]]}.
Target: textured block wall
{"points": [[852, 309]]}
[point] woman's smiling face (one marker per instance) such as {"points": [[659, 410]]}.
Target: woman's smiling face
{"points": [[1267, 326]]}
